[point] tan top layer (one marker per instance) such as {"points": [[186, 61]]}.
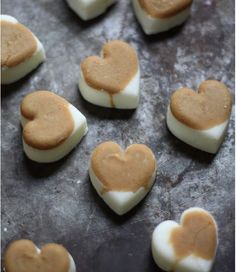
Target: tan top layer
{"points": [[209, 107], [50, 122], [114, 70], [22, 256], [197, 235], [164, 8], [120, 170], [17, 43]]}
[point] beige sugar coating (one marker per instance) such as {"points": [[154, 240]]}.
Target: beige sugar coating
{"points": [[22, 256], [164, 8], [120, 170], [17, 43], [197, 235], [113, 70], [50, 121], [210, 107]]}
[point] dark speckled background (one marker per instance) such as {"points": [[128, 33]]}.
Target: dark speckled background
{"points": [[56, 202]]}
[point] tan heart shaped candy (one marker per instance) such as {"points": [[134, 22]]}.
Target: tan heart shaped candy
{"points": [[24, 256], [21, 51], [120, 170], [17, 43], [201, 118], [52, 127], [164, 8], [188, 246], [111, 80], [208, 107], [157, 16], [122, 177], [50, 121], [113, 70], [198, 231]]}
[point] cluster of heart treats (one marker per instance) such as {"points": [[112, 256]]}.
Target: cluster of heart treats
{"points": [[200, 119], [189, 246], [154, 16], [22, 51], [52, 127]]}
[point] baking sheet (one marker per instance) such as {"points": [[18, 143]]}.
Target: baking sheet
{"points": [[56, 202]]}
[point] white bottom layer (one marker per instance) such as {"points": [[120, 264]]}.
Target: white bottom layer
{"points": [[120, 202], [12, 74], [164, 255], [55, 154], [72, 267], [89, 9], [72, 264], [153, 25], [208, 140], [126, 99]]}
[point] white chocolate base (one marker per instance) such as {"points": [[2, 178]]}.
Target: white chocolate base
{"points": [[72, 264], [164, 255], [126, 99], [153, 25], [55, 154], [120, 202], [208, 140], [89, 9], [12, 74], [72, 267]]}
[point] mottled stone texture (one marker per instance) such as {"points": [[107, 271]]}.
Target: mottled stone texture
{"points": [[56, 202]]}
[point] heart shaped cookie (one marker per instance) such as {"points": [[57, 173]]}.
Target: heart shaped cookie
{"points": [[52, 127], [89, 9], [122, 178], [200, 119], [111, 80], [21, 51], [160, 15], [24, 256], [190, 246]]}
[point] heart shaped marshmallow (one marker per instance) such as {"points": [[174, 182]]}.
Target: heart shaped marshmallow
{"points": [[188, 247], [122, 178], [21, 51], [200, 119], [89, 9], [52, 127], [111, 80], [160, 15], [24, 256]]}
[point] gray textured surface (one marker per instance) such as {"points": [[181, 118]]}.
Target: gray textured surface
{"points": [[57, 202]]}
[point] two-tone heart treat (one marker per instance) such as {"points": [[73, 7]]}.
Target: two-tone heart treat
{"points": [[111, 80], [201, 118], [161, 15], [21, 51], [89, 9], [52, 127], [122, 178], [186, 247], [25, 256]]}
